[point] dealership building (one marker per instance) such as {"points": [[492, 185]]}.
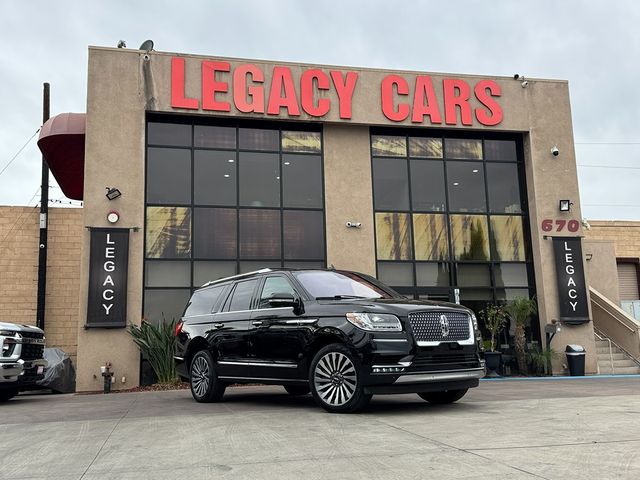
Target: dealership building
{"points": [[444, 186]]}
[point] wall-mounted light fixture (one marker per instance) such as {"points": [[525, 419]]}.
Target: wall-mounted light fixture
{"points": [[565, 205], [113, 193]]}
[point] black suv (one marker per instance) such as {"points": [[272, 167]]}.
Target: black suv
{"points": [[342, 335]]}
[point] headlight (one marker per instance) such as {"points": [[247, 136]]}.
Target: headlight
{"points": [[375, 322], [475, 322], [7, 333]]}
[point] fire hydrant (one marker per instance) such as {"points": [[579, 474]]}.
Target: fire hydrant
{"points": [[107, 374]]}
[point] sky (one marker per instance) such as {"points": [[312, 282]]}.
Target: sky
{"points": [[594, 45]]}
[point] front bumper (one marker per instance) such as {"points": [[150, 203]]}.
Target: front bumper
{"points": [[22, 372]]}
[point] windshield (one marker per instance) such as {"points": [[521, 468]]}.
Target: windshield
{"points": [[323, 284]]}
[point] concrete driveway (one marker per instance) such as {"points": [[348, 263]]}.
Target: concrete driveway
{"points": [[554, 429]]}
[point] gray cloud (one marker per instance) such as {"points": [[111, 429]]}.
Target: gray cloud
{"points": [[594, 45]]}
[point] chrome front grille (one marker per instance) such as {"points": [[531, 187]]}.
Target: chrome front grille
{"points": [[431, 328]]}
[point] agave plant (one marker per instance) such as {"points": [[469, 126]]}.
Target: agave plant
{"points": [[541, 358], [157, 343], [520, 310]]}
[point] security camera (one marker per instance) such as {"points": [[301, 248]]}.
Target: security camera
{"points": [[525, 84], [146, 57], [354, 224], [555, 152], [516, 76]]}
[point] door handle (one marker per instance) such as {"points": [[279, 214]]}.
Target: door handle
{"points": [[257, 323], [218, 325]]}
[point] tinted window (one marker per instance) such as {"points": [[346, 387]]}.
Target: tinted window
{"points": [[169, 134], [203, 301], [466, 187], [258, 139], [330, 284], [259, 180], [164, 305], [390, 184], [214, 232], [500, 150], [260, 234], [214, 137], [167, 274], [214, 177], [293, 141], [503, 187], [427, 185], [274, 285], [302, 181], [168, 175], [303, 234], [241, 296]]}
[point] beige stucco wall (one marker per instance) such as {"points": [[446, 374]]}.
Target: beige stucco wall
{"points": [[19, 240], [602, 272], [625, 236], [122, 85]]}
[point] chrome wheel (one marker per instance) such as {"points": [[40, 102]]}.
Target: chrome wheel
{"points": [[335, 379], [200, 376]]}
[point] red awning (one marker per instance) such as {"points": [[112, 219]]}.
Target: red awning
{"points": [[62, 144]]}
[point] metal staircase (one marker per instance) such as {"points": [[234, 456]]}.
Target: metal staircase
{"points": [[613, 360]]}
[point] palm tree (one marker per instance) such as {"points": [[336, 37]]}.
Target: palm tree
{"points": [[519, 310]]}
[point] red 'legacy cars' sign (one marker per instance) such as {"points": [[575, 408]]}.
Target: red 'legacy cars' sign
{"points": [[245, 87]]}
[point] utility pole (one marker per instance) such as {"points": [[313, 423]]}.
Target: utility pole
{"points": [[44, 221]]}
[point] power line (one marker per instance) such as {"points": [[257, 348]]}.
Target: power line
{"points": [[607, 143], [19, 151], [609, 205], [608, 166]]}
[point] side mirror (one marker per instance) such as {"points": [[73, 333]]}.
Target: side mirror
{"points": [[282, 299]]}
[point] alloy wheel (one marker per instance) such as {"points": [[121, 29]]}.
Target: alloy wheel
{"points": [[335, 379], [200, 376]]}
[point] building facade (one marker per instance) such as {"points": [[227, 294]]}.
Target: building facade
{"points": [[445, 187]]}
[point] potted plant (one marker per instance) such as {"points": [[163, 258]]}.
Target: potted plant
{"points": [[541, 358], [494, 320], [520, 310]]}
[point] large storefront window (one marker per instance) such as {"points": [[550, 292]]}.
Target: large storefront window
{"points": [[227, 198], [450, 212]]}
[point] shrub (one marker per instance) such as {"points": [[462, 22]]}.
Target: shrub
{"points": [[157, 344]]}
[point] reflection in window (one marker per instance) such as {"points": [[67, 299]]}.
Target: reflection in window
{"points": [[214, 177], [168, 175], [259, 179], [258, 139], [274, 285], [170, 134], [503, 187], [302, 181], [470, 275], [207, 271], [167, 274], [509, 294], [424, 147], [393, 236], [390, 184], [511, 275], [260, 234], [504, 150], [465, 183], [388, 146], [293, 141], [214, 232], [303, 234], [214, 137], [508, 239], [430, 237], [463, 148], [164, 305], [168, 232], [469, 237], [432, 274], [427, 185], [397, 274]]}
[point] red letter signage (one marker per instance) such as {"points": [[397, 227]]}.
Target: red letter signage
{"points": [[210, 86], [493, 114], [424, 91], [388, 105], [282, 82], [178, 100], [241, 91], [307, 92], [456, 94], [344, 89]]}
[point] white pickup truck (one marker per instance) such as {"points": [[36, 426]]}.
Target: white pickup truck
{"points": [[21, 358]]}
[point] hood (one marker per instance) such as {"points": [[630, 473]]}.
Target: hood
{"points": [[19, 328], [396, 306]]}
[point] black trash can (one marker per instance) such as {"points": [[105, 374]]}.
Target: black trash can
{"points": [[575, 360]]}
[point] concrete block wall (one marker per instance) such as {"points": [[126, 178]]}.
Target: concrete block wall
{"points": [[19, 240]]}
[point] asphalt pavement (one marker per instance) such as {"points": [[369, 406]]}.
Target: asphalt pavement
{"points": [[563, 429]]}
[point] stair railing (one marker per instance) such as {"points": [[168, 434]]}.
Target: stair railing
{"points": [[601, 337]]}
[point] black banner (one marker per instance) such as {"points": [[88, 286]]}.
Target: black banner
{"points": [[108, 262], [572, 291]]}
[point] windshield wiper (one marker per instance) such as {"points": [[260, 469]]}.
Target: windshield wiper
{"points": [[341, 297]]}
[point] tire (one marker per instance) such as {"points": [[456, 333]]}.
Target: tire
{"points": [[7, 394], [205, 386], [296, 390], [443, 398], [335, 380]]}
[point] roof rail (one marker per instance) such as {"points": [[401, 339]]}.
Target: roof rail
{"points": [[241, 275]]}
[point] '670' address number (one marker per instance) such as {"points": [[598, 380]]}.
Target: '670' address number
{"points": [[559, 225]]}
